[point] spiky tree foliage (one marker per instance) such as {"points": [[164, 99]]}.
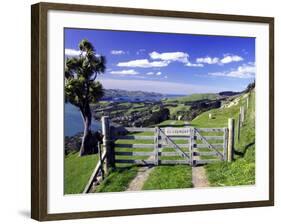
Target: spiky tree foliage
{"points": [[81, 89]]}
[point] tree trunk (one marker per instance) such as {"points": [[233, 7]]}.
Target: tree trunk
{"points": [[87, 145]]}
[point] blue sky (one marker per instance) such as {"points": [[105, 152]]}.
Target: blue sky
{"points": [[169, 63]]}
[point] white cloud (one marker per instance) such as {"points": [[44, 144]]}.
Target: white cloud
{"points": [[143, 63], [170, 56], [72, 52], [117, 52], [208, 60], [154, 73], [231, 58], [215, 60], [124, 72], [245, 71], [174, 56], [189, 64]]}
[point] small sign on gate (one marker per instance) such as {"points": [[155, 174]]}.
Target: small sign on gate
{"points": [[177, 131]]}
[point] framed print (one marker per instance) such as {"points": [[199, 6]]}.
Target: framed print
{"points": [[139, 111]]}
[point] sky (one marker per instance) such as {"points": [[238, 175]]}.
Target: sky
{"points": [[169, 63]]}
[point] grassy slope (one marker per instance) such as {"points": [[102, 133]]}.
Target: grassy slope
{"points": [[194, 97], [77, 171], [118, 180], [242, 170], [180, 107], [190, 98]]}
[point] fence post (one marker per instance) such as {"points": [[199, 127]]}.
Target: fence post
{"points": [[247, 102], [109, 158], [156, 146], [101, 161], [238, 127], [230, 148], [242, 112], [191, 144], [225, 143]]}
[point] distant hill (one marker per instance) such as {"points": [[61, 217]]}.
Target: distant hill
{"points": [[229, 93], [119, 95]]}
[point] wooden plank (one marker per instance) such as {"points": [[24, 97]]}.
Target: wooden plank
{"points": [[94, 174], [168, 154], [209, 146], [209, 137], [206, 161], [174, 162], [177, 131], [134, 153], [134, 161], [175, 146], [180, 137], [137, 146], [196, 153], [209, 129], [129, 129], [179, 145], [134, 137]]}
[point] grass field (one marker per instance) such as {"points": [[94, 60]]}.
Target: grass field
{"points": [[169, 177], [194, 97], [118, 179], [171, 123], [242, 170], [174, 111], [77, 171]]}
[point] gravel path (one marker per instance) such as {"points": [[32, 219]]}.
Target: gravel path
{"points": [[199, 178], [138, 182]]}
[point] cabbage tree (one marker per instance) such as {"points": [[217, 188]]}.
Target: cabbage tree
{"points": [[82, 89]]}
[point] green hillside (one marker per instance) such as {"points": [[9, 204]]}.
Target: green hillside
{"points": [[181, 105], [242, 170], [194, 97], [77, 171]]}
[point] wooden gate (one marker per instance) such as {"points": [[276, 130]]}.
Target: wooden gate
{"points": [[156, 146], [209, 145], [187, 145]]}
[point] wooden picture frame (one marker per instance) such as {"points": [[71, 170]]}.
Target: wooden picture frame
{"points": [[39, 109]]}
